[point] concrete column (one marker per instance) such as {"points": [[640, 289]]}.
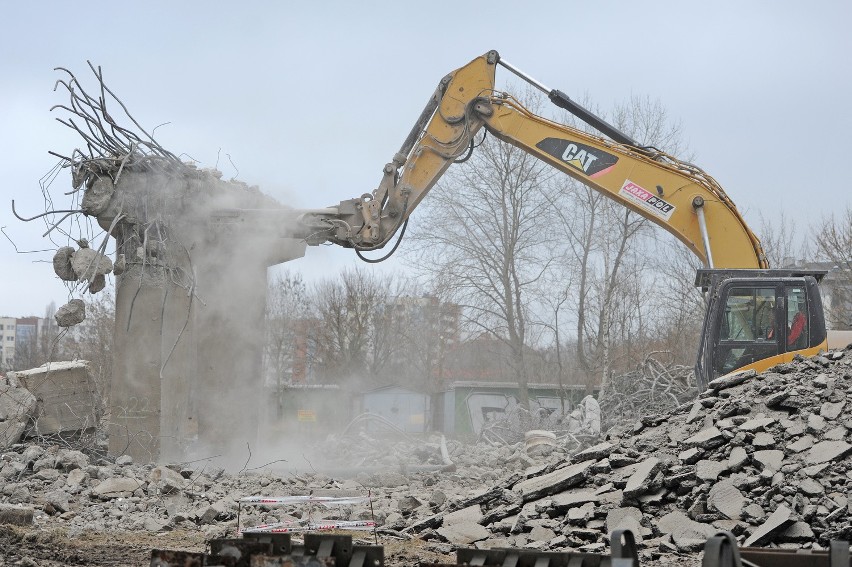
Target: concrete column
{"points": [[189, 332]]}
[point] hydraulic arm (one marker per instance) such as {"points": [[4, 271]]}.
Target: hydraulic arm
{"points": [[676, 195]]}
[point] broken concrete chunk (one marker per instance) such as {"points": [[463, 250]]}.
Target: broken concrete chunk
{"points": [[831, 410], [810, 487], [725, 498], [97, 284], [625, 518], [88, 263], [798, 532], [167, 480], [96, 198], [800, 444], [708, 438], [566, 500], [62, 264], [816, 423], [827, 451], [757, 424], [464, 533], [470, 514], [551, 483], [777, 522], [408, 504], [67, 394], [71, 313], [117, 487], [763, 439], [599, 451], [737, 458], [770, 459], [641, 481], [724, 382], [710, 470], [18, 406], [690, 456]]}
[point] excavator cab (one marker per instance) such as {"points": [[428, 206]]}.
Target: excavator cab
{"points": [[756, 319]]}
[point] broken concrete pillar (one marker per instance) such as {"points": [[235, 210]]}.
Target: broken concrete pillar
{"points": [[189, 313]]}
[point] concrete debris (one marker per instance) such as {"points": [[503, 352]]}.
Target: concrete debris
{"points": [[17, 410], [96, 198], [68, 399], [71, 313], [62, 264], [583, 422], [694, 472], [88, 263]]}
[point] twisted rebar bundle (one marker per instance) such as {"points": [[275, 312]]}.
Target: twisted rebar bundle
{"points": [[652, 388]]}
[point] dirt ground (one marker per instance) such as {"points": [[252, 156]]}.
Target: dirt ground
{"points": [[49, 548]]}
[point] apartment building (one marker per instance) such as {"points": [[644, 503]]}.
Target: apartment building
{"points": [[15, 332]]}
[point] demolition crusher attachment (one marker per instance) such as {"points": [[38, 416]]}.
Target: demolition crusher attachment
{"points": [[331, 550]]}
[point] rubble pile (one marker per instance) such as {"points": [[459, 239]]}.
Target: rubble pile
{"points": [[765, 456]]}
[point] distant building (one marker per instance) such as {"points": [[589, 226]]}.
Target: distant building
{"points": [[18, 334], [395, 407], [7, 342]]}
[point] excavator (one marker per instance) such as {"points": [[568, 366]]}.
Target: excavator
{"points": [[756, 317]]}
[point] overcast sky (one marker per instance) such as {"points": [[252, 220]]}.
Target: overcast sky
{"points": [[311, 99]]}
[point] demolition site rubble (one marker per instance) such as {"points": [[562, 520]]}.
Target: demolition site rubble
{"points": [[765, 456]]}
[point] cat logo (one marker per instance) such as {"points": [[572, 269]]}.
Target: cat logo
{"points": [[583, 158]]}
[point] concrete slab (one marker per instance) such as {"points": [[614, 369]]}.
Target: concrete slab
{"points": [[707, 438], [554, 482], [68, 398], [827, 451], [725, 498], [471, 514], [640, 482], [770, 459], [625, 518], [710, 470], [464, 533], [778, 521]]}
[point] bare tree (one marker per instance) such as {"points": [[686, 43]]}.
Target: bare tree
{"points": [[484, 245], [781, 240], [92, 339], [677, 303], [287, 308], [602, 244], [834, 245], [358, 332]]}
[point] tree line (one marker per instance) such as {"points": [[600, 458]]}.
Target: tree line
{"points": [[549, 280]]}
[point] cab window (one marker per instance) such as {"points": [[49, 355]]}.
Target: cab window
{"points": [[748, 331]]}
